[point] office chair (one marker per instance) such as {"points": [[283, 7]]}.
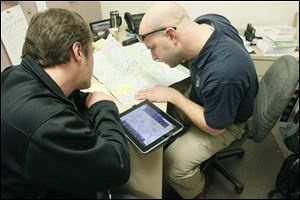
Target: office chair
{"points": [[275, 90]]}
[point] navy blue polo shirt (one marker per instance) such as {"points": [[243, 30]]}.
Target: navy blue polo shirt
{"points": [[224, 79]]}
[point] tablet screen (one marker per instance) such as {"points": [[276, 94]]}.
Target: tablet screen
{"points": [[147, 125]]}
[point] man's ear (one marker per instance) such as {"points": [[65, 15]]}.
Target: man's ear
{"points": [[171, 34], [77, 51]]}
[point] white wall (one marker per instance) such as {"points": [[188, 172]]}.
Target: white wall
{"points": [[238, 12]]}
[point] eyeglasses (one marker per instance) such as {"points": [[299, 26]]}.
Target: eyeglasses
{"points": [[143, 36]]}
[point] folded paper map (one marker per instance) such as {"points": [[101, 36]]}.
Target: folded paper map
{"points": [[125, 71]]}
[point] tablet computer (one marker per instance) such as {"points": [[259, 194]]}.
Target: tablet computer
{"points": [[148, 127]]}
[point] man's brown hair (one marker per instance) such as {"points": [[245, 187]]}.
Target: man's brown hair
{"points": [[51, 33]]}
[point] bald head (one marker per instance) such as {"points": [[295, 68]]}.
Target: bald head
{"points": [[162, 14]]}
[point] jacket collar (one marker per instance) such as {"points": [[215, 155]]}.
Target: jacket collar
{"points": [[29, 64]]}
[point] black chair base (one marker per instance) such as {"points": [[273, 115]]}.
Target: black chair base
{"points": [[215, 162]]}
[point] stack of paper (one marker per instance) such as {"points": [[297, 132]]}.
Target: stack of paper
{"points": [[269, 46], [278, 33], [126, 71], [277, 39]]}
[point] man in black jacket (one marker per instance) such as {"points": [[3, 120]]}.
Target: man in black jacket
{"points": [[58, 142]]}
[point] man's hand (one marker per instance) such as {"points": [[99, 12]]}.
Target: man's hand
{"points": [[157, 94], [95, 97], [194, 111]]}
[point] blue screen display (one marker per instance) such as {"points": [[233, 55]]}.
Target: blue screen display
{"points": [[146, 124]]}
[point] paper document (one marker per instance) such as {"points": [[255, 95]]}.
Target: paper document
{"points": [[127, 71], [99, 44], [13, 31], [41, 6], [276, 32], [162, 73]]}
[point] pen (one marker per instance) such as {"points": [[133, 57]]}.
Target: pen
{"points": [[96, 78]]}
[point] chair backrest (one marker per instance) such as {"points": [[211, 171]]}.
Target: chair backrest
{"points": [[275, 90]]}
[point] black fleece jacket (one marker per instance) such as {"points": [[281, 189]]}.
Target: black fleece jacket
{"points": [[53, 146]]}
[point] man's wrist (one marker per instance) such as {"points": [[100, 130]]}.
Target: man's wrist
{"points": [[175, 97]]}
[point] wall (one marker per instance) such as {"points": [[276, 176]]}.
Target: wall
{"points": [[238, 12]]}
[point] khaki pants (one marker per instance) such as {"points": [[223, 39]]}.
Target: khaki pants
{"points": [[183, 157]]}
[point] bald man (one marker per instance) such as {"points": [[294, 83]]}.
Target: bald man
{"points": [[221, 96]]}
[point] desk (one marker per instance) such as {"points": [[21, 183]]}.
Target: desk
{"points": [[146, 176], [263, 62]]}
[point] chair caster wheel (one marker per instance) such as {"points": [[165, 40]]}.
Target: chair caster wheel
{"points": [[240, 155], [239, 189]]}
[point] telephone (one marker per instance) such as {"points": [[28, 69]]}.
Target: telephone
{"points": [[133, 21]]}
